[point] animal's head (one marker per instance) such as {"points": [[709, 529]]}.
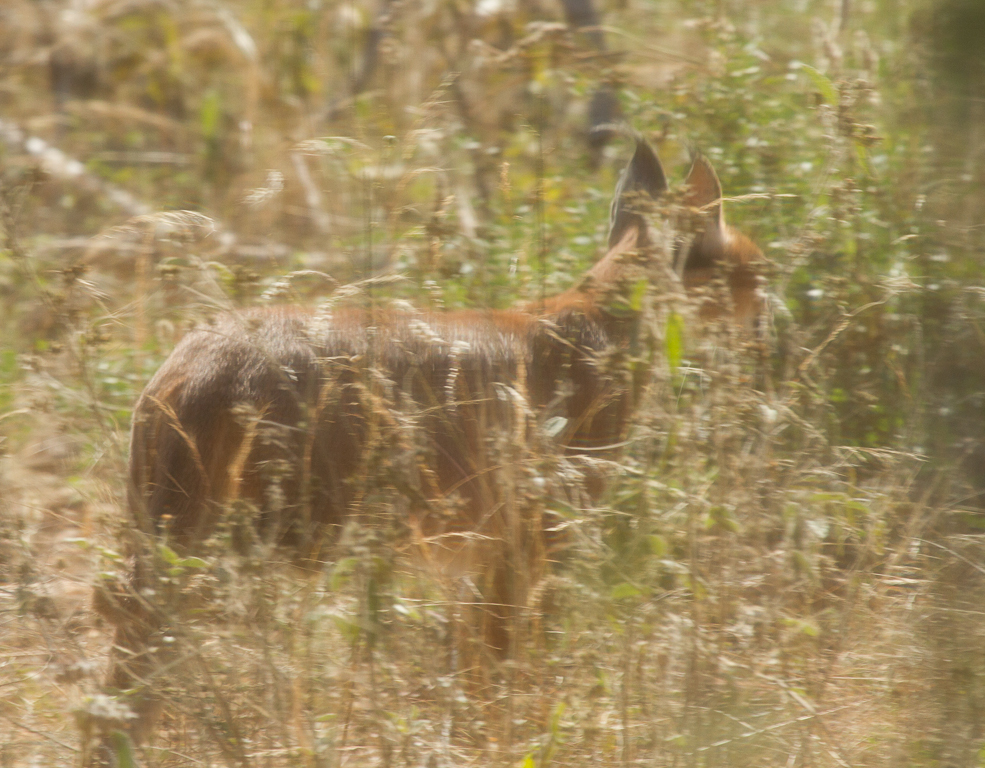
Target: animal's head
{"points": [[716, 249]]}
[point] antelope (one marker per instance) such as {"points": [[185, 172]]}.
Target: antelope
{"points": [[276, 410]]}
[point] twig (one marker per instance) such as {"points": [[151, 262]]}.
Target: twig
{"points": [[36, 732]]}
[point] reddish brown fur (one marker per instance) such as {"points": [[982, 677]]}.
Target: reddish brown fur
{"points": [[277, 408], [295, 391], [294, 368], [718, 245]]}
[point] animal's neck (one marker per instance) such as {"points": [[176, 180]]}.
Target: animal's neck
{"points": [[586, 297]]}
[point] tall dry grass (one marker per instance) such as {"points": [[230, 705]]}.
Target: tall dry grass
{"points": [[784, 568]]}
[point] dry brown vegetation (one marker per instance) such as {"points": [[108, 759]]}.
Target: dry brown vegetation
{"points": [[786, 566]]}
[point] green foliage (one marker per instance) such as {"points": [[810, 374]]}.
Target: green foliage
{"points": [[125, 753], [781, 565]]}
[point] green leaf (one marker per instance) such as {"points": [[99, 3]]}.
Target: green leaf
{"points": [[808, 628], [657, 545], [802, 564], [350, 629], [409, 611], [168, 554], [823, 84], [723, 518], [8, 363], [624, 591], [123, 747], [972, 520], [674, 342], [862, 155], [556, 717], [563, 508], [637, 294], [341, 572], [210, 115]]}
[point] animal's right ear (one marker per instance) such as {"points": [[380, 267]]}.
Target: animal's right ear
{"points": [[644, 174], [704, 191]]}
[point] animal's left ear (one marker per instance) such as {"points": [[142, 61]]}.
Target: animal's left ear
{"points": [[704, 190]]}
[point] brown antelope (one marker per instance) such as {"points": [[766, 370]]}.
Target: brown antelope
{"points": [[276, 411]]}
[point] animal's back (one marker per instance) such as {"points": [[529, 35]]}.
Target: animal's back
{"points": [[274, 408], [208, 416]]}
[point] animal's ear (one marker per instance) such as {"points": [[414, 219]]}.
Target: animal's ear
{"points": [[704, 190], [643, 175]]}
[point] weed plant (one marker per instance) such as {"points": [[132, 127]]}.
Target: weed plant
{"points": [[784, 567]]}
